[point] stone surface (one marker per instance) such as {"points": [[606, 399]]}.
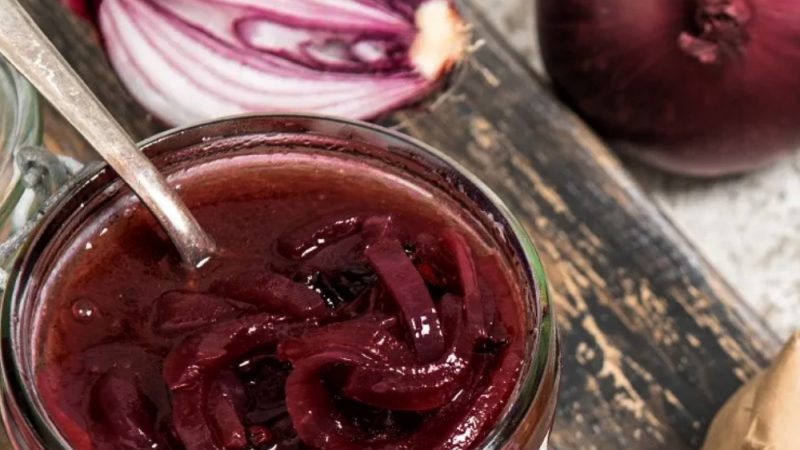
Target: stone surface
{"points": [[748, 226]]}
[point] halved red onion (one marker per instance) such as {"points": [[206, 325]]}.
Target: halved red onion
{"points": [[194, 60]]}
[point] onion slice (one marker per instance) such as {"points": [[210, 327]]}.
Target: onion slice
{"points": [[418, 387], [124, 408], [408, 290], [226, 398], [365, 335], [197, 361], [468, 282], [194, 60], [178, 312], [272, 292], [316, 420]]}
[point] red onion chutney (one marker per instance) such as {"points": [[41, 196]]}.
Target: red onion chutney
{"points": [[348, 309]]}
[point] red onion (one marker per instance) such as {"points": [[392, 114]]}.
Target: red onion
{"points": [[701, 87], [194, 60]]}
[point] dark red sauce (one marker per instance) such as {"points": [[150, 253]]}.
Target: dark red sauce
{"points": [[348, 310]]}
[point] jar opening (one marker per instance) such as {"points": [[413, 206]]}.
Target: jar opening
{"points": [[535, 388]]}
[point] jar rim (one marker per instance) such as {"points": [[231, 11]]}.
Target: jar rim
{"points": [[539, 350]]}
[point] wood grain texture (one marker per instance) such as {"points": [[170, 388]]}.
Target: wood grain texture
{"points": [[653, 340]]}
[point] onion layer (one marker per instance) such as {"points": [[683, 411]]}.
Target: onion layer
{"points": [[701, 87], [194, 60]]}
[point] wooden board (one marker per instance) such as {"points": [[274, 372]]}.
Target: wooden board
{"points": [[653, 340]]}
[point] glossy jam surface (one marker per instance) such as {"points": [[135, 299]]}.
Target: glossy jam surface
{"points": [[349, 310]]}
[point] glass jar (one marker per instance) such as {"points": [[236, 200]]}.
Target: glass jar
{"points": [[29, 174], [526, 420], [20, 127]]}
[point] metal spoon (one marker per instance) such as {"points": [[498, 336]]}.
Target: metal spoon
{"points": [[32, 53]]}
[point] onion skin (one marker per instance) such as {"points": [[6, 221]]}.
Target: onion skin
{"points": [[696, 87], [188, 61]]}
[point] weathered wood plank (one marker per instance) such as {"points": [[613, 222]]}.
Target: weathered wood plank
{"points": [[653, 340]]}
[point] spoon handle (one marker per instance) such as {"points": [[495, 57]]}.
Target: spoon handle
{"points": [[32, 53]]}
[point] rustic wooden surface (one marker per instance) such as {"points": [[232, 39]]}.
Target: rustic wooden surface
{"points": [[653, 339]]}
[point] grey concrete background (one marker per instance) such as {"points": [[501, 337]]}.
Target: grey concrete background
{"points": [[747, 226]]}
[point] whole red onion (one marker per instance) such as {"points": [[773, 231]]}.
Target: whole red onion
{"points": [[699, 87]]}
